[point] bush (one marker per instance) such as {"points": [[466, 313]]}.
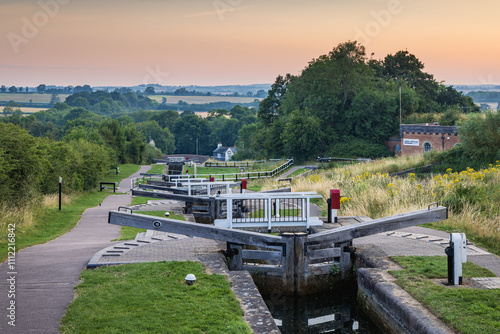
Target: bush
{"points": [[352, 147], [480, 137]]}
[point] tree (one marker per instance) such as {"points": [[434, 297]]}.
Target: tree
{"points": [[189, 128], [269, 107], [187, 113], [164, 140], [303, 136], [404, 66], [54, 99], [165, 118], [216, 113], [114, 136], [11, 109], [223, 130], [480, 137], [238, 112], [150, 90], [23, 164], [261, 93], [41, 89], [135, 145], [349, 60], [3, 89], [12, 89]]}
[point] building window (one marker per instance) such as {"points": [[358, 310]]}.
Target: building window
{"points": [[427, 146]]}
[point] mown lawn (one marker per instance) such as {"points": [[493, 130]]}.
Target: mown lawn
{"points": [[464, 309], [153, 298]]}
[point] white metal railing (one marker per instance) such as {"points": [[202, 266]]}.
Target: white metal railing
{"points": [[268, 210], [208, 188], [249, 175]]}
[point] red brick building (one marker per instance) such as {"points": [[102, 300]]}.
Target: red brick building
{"points": [[419, 138]]}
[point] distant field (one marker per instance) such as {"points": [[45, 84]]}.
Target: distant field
{"points": [[27, 98], [203, 99], [28, 110]]}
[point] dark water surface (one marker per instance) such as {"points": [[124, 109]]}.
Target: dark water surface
{"points": [[334, 311]]}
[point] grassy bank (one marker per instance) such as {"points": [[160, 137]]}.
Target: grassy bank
{"points": [[42, 221], [471, 196], [153, 298], [463, 308]]}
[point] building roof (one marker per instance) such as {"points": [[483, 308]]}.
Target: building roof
{"points": [[223, 149], [427, 128]]}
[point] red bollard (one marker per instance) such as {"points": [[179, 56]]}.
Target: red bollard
{"points": [[243, 185], [335, 203]]}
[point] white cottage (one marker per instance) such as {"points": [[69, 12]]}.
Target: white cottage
{"points": [[223, 153]]}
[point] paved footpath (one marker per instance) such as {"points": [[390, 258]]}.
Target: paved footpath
{"points": [[47, 274]]}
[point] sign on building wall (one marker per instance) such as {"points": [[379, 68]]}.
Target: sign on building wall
{"points": [[411, 142]]}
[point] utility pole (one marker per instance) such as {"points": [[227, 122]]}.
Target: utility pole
{"points": [[400, 117]]}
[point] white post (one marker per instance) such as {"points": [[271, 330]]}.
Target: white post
{"points": [[277, 213], [460, 256], [229, 214], [302, 209], [307, 213], [268, 214]]}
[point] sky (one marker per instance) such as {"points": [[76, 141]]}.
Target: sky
{"points": [[218, 42]]}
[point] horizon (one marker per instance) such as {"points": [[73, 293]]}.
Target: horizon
{"points": [[235, 42]]}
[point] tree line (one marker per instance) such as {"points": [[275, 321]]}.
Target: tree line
{"points": [[346, 104], [81, 145]]}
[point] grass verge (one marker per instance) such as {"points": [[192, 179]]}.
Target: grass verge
{"points": [[464, 309], [47, 222], [129, 233], [298, 172], [153, 298], [157, 169]]}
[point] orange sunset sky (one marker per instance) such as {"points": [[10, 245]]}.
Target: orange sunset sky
{"points": [[214, 42]]}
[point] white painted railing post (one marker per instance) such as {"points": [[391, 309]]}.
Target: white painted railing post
{"points": [[229, 213], [308, 215], [269, 217]]}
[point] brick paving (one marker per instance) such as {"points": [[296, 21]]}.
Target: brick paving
{"points": [[182, 249], [485, 282]]}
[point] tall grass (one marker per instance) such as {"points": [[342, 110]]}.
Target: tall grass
{"points": [[471, 196]]}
